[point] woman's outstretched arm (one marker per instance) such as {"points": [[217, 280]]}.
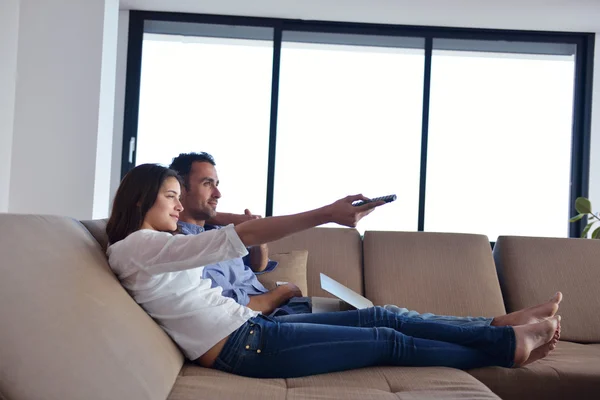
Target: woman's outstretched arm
{"points": [[342, 212]]}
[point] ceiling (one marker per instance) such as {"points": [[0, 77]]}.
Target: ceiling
{"points": [[557, 15]]}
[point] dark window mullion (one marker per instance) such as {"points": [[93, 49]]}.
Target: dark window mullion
{"points": [[132, 91], [582, 116], [277, 34], [425, 131]]}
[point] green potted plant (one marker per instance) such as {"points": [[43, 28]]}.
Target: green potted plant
{"points": [[584, 208]]}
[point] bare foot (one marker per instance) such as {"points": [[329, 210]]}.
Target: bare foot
{"points": [[545, 349], [556, 336], [530, 315], [531, 336]]}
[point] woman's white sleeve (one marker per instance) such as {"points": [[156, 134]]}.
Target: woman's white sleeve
{"points": [[158, 252]]}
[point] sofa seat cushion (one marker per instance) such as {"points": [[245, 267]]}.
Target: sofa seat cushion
{"points": [[368, 383], [572, 371]]}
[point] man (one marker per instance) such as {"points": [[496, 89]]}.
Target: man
{"points": [[200, 197]]}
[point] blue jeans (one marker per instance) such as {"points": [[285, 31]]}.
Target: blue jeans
{"points": [[308, 344], [444, 319]]}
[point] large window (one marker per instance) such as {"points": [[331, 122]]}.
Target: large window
{"points": [[349, 122], [499, 153], [209, 94], [475, 131]]}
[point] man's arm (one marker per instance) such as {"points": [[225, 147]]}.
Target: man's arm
{"points": [[267, 302], [228, 218], [258, 257]]}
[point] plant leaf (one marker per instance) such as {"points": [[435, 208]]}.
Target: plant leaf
{"points": [[576, 218], [596, 233], [586, 230], [583, 205]]}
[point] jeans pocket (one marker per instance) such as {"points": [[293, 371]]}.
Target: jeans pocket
{"points": [[254, 343]]}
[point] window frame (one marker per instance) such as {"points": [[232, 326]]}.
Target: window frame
{"points": [[582, 99]]}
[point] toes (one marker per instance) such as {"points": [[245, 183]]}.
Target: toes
{"points": [[557, 298]]}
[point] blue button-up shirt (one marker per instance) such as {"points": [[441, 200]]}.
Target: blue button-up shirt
{"points": [[238, 280], [235, 276]]}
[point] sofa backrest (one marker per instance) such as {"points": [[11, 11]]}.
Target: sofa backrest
{"points": [[441, 273], [97, 227], [336, 252], [68, 330], [532, 269]]}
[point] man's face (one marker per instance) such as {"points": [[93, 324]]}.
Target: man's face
{"points": [[201, 197]]}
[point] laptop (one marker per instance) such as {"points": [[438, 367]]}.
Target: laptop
{"points": [[344, 293]]}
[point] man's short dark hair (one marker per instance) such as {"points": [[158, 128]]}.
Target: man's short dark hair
{"points": [[183, 164]]}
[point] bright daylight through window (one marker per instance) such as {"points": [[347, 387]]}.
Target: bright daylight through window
{"points": [[349, 120]]}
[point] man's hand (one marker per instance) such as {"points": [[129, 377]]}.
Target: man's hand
{"points": [[269, 301], [236, 219], [294, 290], [259, 255], [249, 216], [344, 213]]}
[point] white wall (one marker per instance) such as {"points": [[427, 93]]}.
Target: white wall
{"points": [[549, 15], [64, 102], [9, 32]]}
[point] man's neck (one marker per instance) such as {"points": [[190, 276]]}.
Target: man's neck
{"points": [[190, 220]]}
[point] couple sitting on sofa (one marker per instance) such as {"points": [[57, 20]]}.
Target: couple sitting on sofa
{"points": [[199, 290]]}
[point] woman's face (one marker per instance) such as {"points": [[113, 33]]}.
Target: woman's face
{"points": [[164, 214]]}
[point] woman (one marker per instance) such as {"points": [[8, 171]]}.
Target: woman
{"points": [[162, 272]]}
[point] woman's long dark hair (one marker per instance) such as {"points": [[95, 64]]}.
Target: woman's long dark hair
{"points": [[136, 195]]}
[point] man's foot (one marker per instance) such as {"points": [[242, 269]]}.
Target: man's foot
{"points": [[545, 349], [532, 336], [530, 315]]}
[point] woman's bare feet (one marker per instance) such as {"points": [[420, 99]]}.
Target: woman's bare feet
{"points": [[545, 349], [530, 315], [532, 336]]}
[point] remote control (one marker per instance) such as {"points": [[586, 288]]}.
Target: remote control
{"points": [[387, 199]]}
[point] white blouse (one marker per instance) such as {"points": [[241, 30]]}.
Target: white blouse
{"points": [[163, 273]]}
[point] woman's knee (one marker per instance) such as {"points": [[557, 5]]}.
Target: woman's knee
{"points": [[390, 335], [378, 310], [378, 315], [384, 313]]}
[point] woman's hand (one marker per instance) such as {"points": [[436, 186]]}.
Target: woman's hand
{"points": [[344, 213], [265, 230]]}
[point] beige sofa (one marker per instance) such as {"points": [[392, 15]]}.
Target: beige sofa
{"points": [[69, 331]]}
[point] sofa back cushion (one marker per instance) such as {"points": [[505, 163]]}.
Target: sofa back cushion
{"points": [[441, 273], [336, 252], [97, 227], [532, 269], [291, 268], [68, 329]]}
